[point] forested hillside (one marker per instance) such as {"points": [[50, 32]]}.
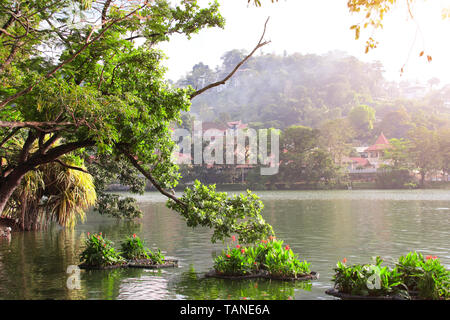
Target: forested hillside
{"points": [[283, 90]]}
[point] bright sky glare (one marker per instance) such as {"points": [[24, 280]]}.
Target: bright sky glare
{"points": [[320, 26]]}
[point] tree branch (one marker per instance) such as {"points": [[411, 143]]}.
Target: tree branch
{"points": [[148, 175], [260, 44], [46, 127], [37, 158], [9, 136], [70, 167]]}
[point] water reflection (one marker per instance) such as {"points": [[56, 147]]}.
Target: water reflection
{"points": [[194, 286]]}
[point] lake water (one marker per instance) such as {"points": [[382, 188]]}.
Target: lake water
{"points": [[320, 226]]}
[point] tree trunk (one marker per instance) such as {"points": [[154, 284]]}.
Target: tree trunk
{"points": [[12, 181], [9, 184]]}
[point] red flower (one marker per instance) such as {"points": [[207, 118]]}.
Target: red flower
{"points": [[243, 251], [429, 257], [238, 246], [228, 256], [287, 247], [233, 238], [344, 260], [134, 235], [89, 234], [434, 257]]}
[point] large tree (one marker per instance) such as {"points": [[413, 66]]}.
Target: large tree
{"points": [[75, 80]]}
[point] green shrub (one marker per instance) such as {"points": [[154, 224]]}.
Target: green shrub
{"points": [[234, 261], [132, 248], [282, 262], [413, 275], [426, 276], [367, 279], [269, 255], [99, 252]]}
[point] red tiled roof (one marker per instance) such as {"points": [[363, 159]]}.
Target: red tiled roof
{"points": [[380, 144]]}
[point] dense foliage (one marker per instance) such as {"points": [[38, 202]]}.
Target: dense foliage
{"points": [[85, 78], [99, 252], [367, 279], [424, 275], [269, 256], [132, 248], [412, 276], [240, 214]]}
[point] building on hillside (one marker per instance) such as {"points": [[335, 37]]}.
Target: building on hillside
{"points": [[375, 152], [364, 167], [361, 151], [357, 163]]}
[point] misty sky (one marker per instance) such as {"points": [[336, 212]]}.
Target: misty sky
{"points": [[320, 26]]}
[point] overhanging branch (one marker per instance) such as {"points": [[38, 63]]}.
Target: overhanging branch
{"points": [[260, 44], [148, 175]]}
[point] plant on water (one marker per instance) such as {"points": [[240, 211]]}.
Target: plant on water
{"points": [[426, 276], [99, 252], [268, 255], [132, 248], [368, 279], [282, 262], [234, 261]]}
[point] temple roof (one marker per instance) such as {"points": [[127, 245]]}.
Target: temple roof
{"points": [[380, 144]]}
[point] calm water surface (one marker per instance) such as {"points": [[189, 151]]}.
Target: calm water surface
{"points": [[320, 226]]}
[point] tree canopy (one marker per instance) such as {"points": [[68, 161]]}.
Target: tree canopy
{"points": [[76, 82]]}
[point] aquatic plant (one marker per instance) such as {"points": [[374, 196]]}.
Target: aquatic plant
{"points": [[426, 276], [270, 255], [132, 248], [412, 276], [367, 279], [100, 252]]}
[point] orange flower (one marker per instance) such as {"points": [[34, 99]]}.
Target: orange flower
{"points": [[344, 260], [287, 247]]}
